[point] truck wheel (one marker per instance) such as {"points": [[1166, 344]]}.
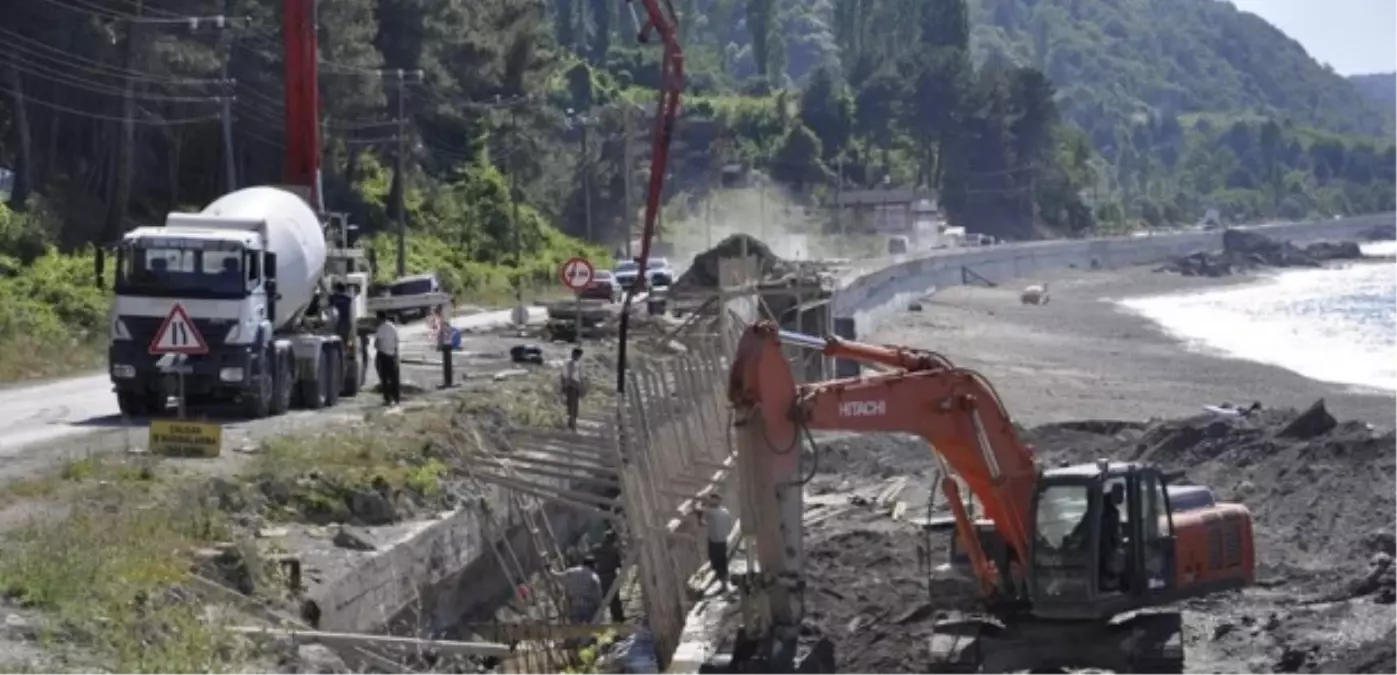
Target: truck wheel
{"points": [[352, 380], [313, 389], [334, 381], [257, 401], [285, 379], [131, 404]]}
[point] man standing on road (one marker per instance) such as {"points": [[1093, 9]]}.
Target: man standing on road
{"points": [[572, 385], [441, 328], [719, 522], [386, 360], [608, 557]]}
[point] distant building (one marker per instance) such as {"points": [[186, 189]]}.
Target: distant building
{"points": [[886, 211]]}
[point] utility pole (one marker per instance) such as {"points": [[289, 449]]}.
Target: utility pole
{"points": [[521, 317], [586, 181], [627, 168], [839, 193], [400, 166], [120, 192], [229, 171]]}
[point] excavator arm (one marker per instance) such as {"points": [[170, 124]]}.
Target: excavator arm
{"points": [[956, 410]]}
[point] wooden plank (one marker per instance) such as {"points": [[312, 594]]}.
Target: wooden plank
{"points": [[363, 639], [536, 630]]}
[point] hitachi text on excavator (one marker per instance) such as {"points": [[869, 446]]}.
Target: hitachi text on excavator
{"points": [[1074, 565]]}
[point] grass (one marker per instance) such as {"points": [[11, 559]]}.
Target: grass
{"points": [[110, 572], [26, 358]]}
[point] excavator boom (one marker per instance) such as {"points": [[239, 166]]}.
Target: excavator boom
{"points": [[956, 410]]}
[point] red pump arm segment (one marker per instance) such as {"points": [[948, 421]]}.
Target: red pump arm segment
{"points": [[302, 70], [956, 410], [671, 86]]}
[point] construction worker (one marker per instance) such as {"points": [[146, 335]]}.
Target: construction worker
{"points": [[608, 557], [1111, 538], [572, 384], [719, 523], [343, 306], [583, 590], [441, 328], [386, 360]]}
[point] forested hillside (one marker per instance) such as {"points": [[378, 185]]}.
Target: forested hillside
{"points": [[1381, 88], [1027, 119]]}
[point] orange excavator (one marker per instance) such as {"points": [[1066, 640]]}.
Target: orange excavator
{"points": [[1073, 564]]}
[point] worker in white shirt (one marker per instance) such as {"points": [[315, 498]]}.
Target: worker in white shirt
{"points": [[441, 328], [386, 359], [572, 385], [719, 523]]}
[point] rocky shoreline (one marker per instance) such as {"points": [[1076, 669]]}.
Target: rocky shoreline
{"points": [[1245, 250]]}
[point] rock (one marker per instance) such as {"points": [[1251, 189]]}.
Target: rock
{"points": [[1315, 421], [372, 508], [1246, 249], [1380, 233], [316, 658], [526, 353], [914, 307], [353, 540], [1381, 541]]}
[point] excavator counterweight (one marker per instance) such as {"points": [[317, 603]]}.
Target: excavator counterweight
{"points": [[1071, 564]]}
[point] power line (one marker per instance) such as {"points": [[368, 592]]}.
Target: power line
{"points": [[55, 76], [38, 50], [171, 121]]}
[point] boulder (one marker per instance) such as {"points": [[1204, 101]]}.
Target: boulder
{"points": [[1315, 421]]}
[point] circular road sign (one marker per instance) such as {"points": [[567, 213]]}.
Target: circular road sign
{"points": [[577, 273]]}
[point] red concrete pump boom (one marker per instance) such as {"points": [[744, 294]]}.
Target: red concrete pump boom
{"points": [[302, 70], [663, 22]]}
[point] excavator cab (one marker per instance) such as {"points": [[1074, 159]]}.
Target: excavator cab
{"points": [[1103, 541]]}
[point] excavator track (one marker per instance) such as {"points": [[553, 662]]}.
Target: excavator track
{"points": [[1144, 643]]}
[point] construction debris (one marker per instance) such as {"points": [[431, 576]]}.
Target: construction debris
{"points": [[1244, 250]]}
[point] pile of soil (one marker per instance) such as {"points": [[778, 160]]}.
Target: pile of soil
{"points": [[703, 273], [1321, 492], [1244, 250]]}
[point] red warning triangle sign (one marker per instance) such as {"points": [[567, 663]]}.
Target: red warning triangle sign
{"points": [[177, 335]]}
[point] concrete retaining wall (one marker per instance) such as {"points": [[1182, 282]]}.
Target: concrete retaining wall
{"points": [[869, 298]]}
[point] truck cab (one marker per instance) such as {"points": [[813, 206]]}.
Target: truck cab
{"points": [[244, 290], [220, 278]]}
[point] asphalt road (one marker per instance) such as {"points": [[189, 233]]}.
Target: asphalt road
{"points": [[33, 414]]}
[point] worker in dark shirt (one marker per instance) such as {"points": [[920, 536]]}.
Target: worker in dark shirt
{"points": [[343, 305], [608, 557], [1111, 576]]}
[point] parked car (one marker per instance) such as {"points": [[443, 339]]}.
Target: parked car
{"points": [[658, 272], [416, 284], [603, 287]]}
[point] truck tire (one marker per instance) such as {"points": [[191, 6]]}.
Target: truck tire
{"points": [[352, 380], [257, 401], [335, 380], [131, 404], [285, 380], [313, 388]]}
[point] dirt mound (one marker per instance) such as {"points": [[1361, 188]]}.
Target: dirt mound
{"points": [[1243, 250], [703, 273], [870, 595]]}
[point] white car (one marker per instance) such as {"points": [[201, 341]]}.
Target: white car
{"points": [[658, 272]]}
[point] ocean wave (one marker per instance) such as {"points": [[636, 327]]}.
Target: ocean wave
{"points": [[1334, 325]]}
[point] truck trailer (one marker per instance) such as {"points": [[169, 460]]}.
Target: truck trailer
{"points": [[251, 275]]}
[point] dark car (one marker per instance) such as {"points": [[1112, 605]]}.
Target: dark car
{"points": [[603, 287]]}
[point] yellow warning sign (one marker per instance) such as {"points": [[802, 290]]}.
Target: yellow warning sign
{"points": [[185, 438]]}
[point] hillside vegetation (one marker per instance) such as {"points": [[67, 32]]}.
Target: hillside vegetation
{"points": [[1380, 88], [1025, 119]]}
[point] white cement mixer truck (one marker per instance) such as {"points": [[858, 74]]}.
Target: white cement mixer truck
{"points": [[242, 290]]}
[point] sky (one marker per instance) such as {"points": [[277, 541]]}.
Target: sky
{"points": [[1353, 36]]}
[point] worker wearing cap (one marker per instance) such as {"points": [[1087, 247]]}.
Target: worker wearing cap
{"points": [[441, 328], [582, 588], [719, 522]]}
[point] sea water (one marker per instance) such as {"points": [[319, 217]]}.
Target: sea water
{"points": [[1336, 324]]}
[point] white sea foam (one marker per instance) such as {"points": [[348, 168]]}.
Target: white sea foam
{"points": [[1334, 325]]}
